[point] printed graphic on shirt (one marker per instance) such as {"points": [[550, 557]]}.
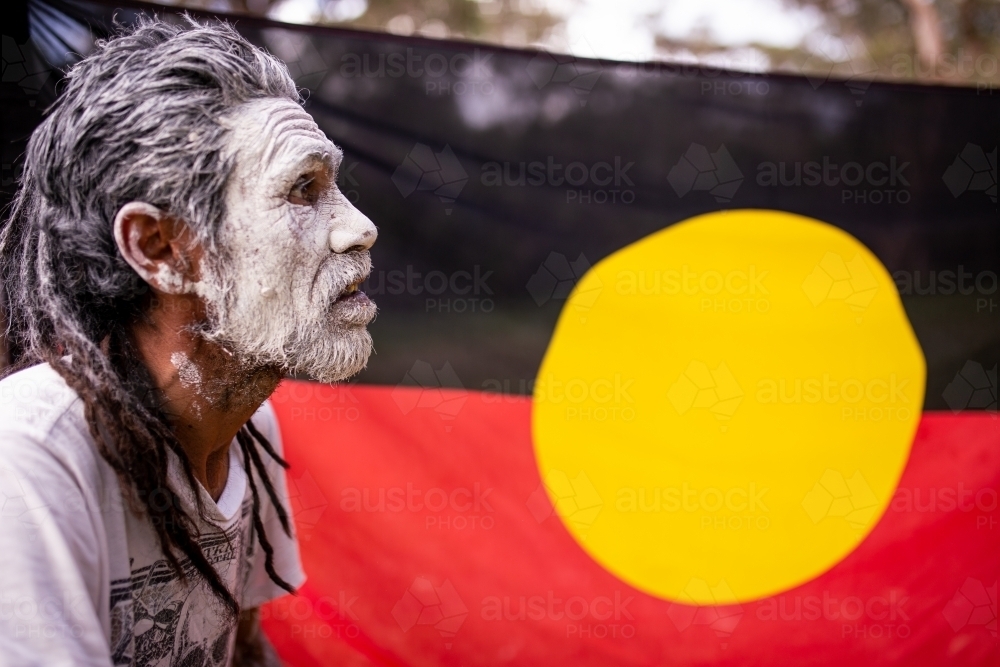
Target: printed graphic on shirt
{"points": [[159, 619]]}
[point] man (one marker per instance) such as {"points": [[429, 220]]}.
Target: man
{"points": [[177, 246]]}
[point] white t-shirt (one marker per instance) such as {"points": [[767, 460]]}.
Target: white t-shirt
{"points": [[82, 577]]}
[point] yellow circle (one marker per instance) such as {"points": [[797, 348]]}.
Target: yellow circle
{"points": [[726, 406]]}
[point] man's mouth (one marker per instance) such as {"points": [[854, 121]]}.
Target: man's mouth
{"points": [[352, 307], [352, 292]]}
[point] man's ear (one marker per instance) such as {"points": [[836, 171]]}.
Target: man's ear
{"points": [[153, 244]]}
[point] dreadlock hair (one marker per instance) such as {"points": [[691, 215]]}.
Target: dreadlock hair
{"points": [[138, 120]]}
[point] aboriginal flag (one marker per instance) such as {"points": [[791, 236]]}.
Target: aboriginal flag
{"points": [[673, 365]]}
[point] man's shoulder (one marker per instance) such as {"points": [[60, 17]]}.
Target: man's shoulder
{"points": [[41, 417], [34, 400]]}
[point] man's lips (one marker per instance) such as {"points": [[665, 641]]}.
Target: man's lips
{"points": [[352, 292], [352, 307]]}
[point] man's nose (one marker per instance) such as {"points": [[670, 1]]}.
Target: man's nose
{"points": [[354, 232]]}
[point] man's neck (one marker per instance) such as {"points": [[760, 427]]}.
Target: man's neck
{"points": [[208, 395]]}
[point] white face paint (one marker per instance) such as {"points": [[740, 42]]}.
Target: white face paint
{"points": [[294, 250], [189, 376], [187, 371]]}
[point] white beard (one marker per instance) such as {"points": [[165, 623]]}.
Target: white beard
{"points": [[272, 290], [318, 337]]}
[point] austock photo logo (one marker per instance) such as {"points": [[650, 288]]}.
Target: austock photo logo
{"points": [[458, 508], [973, 171], [973, 604], [875, 617], [425, 604], [421, 389], [327, 617], [834, 496], [593, 399], [424, 170], [551, 69], [577, 501], [702, 387], [308, 504], [347, 183], [850, 60], [589, 183], [698, 170], [299, 52], [452, 74], [599, 617], [966, 65], [721, 618], [741, 507], [836, 280], [461, 291], [736, 291], [714, 388], [17, 504], [557, 276], [320, 402], [946, 282], [752, 66], [877, 182], [983, 501], [21, 65], [860, 398], [974, 388]]}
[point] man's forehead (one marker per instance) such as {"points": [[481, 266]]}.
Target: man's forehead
{"points": [[272, 129]]}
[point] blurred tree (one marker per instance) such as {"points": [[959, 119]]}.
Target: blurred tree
{"points": [[508, 22], [943, 41], [948, 41]]}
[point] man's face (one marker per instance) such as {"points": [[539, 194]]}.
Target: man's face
{"points": [[291, 251]]}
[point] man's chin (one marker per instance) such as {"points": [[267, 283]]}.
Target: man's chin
{"points": [[330, 348], [344, 358], [354, 310]]}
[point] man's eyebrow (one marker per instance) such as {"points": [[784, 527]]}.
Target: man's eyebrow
{"points": [[284, 133], [338, 156], [330, 158]]}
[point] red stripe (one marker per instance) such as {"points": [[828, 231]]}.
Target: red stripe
{"points": [[342, 442]]}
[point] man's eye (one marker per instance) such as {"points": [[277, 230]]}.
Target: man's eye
{"points": [[302, 191]]}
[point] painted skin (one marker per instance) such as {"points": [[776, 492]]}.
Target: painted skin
{"points": [[295, 250], [281, 289]]}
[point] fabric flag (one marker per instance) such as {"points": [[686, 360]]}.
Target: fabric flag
{"points": [[673, 365]]}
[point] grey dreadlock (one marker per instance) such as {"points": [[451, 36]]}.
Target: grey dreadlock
{"points": [[138, 120]]}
